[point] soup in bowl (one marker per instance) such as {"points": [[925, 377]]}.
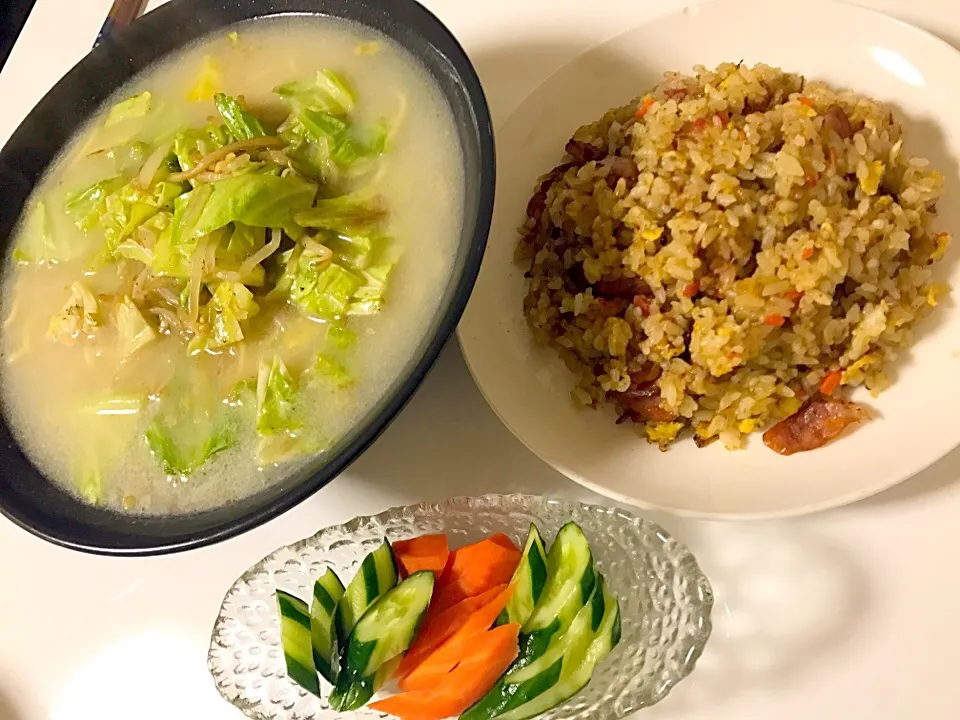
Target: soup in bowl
{"points": [[227, 281]]}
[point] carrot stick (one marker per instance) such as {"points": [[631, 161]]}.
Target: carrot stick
{"points": [[642, 110], [439, 626], [446, 657], [692, 289], [831, 382], [504, 541], [427, 552], [409, 564], [488, 657], [424, 545], [474, 569]]}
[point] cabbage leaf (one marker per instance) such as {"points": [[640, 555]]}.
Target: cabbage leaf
{"points": [[133, 107], [242, 124], [265, 201], [190, 426], [276, 398], [134, 332]]}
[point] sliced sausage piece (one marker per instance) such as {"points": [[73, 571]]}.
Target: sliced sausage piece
{"points": [[538, 203], [583, 152], [622, 167], [624, 288], [646, 374], [575, 279], [678, 93], [644, 404], [814, 425], [835, 118]]}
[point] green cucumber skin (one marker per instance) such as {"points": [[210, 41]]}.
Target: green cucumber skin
{"points": [[354, 596], [327, 592], [358, 657], [566, 646], [588, 583], [361, 660], [535, 686], [393, 570], [528, 581], [304, 677], [602, 643], [328, 671], [504, 696], [371, 579], [518, 712], [491, 704], [534, 644], [365, 588], [598, 605], [617, 633], [340, 624], [358, 681], [538, 566], [351, 694], [570, 535], [294, 610]]}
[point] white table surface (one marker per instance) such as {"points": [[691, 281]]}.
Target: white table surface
{"points": [[845, 615]]}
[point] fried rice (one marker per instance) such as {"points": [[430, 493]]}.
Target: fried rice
{"points": [[731, 249]]}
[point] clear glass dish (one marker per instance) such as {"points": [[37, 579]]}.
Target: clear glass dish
{"points": [[665, 602]]}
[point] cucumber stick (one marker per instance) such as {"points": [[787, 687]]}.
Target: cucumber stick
{"points": [[523, 683], [576, 671], [556, 637], [377, 575], [528, 580], [570, 644], [571, 579], [295, 641], [385, 632], [327, 592], [570, 575], [496, 701], [353, 694], [387, 628]]}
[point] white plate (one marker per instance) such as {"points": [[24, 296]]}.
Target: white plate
{"points": [[529, 388]]}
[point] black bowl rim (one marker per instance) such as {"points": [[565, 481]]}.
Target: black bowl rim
{"points": [[445, 321]]}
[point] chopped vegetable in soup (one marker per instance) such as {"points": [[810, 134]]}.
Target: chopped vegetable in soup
{"points": [[230, 267]]}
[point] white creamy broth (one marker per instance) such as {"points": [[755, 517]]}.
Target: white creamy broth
{"points": [[83, 404]]}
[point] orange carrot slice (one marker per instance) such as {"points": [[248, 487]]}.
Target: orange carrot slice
{"points": [[445, 658], [504, 541], [490, 654], [423, 545], [439, 626], [474, 569], [831, 382], [426, 552], [409, 564]]}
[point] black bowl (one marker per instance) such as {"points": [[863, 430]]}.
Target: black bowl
{"points": [[38, 505]]}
